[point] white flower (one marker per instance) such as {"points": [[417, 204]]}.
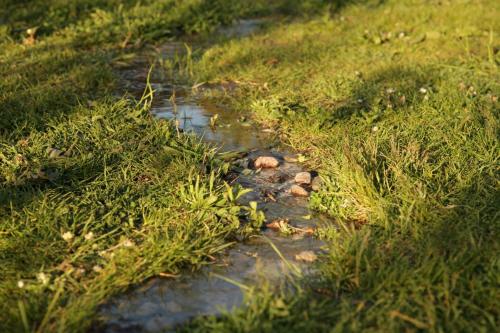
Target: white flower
{"points": [[43, 278], [374, 128], [89, 236], [423, 90], [128, 243], [67, 236], [20, 284], [391, 90], [97, 268]]}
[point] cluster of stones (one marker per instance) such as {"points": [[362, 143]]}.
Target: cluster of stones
{"points": [[304, 181]]}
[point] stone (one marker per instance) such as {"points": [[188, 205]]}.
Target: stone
{"points": [[278, 224], [266, 162], [316, 183], [298, 191], [291, 159], [307, 256], [303, 178]]}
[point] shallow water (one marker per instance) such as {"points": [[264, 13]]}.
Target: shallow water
{"points": [[161, 304]]}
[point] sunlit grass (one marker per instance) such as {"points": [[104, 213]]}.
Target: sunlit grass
{"points": [[396, 105]]}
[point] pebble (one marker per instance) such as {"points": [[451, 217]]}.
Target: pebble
{"points": [[308, 256], [316, 183], [291, 159], [298, 191], [266, 162], [278, 224], [303, 178]]}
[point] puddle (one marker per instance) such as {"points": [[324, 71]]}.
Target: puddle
{"points": [[162, 304]]}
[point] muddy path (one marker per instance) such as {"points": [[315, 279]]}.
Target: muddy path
{"points": [[163, 304]]}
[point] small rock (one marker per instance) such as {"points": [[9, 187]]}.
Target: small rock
{"points": [[266, 162], [316, 183], [307, 256], [298, 191], [309, 231], [278, 224], [303, 178]]}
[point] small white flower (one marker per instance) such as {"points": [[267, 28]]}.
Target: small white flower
{"points": [[423, 90], [67, 236], [374, 128], [97, 268], [20, 284], [359, 101], [43, 278], [391, 90], [128, 243], [89, 236]]}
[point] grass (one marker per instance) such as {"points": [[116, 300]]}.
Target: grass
{"points": [[95, 195], [395, 103]]}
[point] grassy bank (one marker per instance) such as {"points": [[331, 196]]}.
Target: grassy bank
{"points": [[95, 195], [396, 104]]}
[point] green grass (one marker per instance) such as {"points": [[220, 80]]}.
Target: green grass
{"points": [[95, 195], [396, 104]]}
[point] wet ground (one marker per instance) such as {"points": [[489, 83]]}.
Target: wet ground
{"points": [[162, 304]]}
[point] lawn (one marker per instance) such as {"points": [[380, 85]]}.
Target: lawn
{"points": [[394, 103]]}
